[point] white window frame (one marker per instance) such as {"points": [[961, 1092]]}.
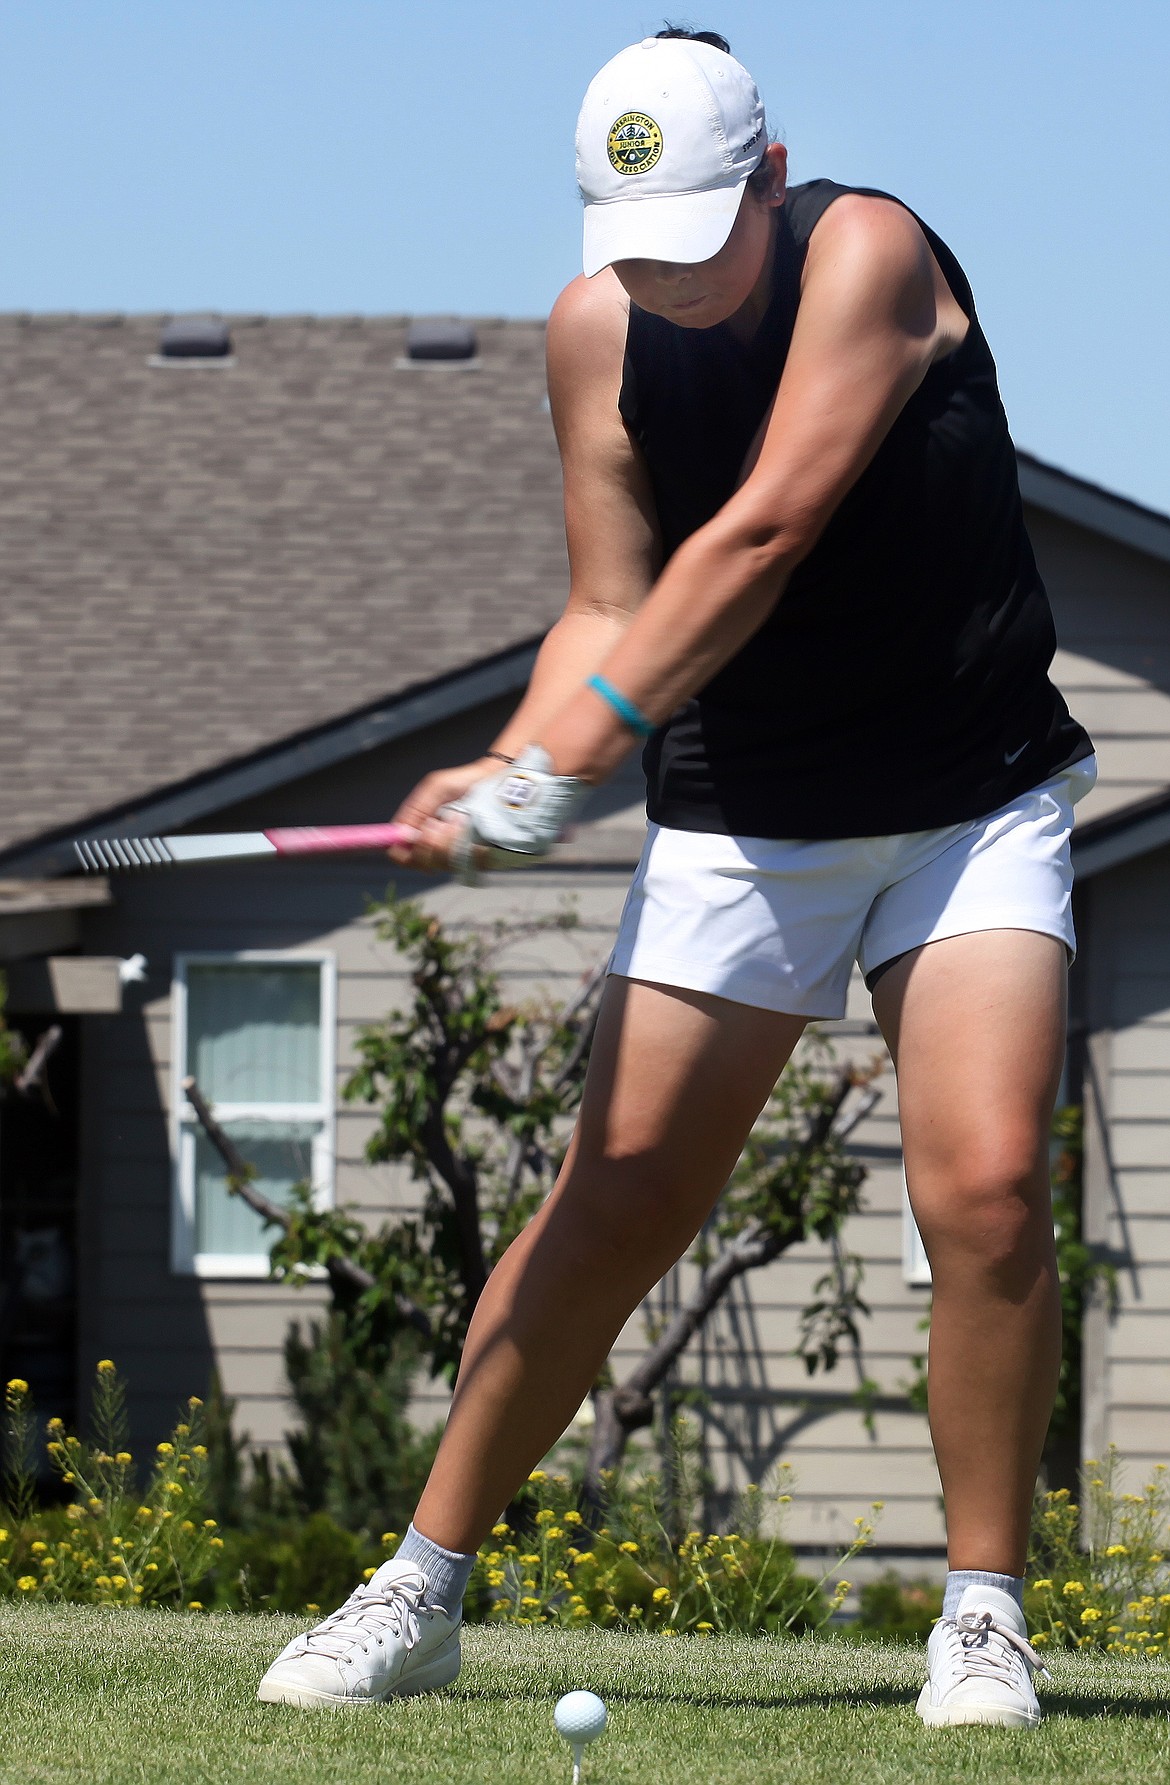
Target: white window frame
{"points": [[185, 1261], [915, 1263]]}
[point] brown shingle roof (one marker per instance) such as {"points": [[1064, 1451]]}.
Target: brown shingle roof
{"points": [[200, 562]]}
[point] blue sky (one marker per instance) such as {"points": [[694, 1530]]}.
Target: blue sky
{"points": [[373, 156]]}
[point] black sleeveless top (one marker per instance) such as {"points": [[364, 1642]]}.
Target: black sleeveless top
{"points": [[901, 681]]}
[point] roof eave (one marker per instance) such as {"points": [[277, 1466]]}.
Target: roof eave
{"points": [[1099, 510], [172, 808]]}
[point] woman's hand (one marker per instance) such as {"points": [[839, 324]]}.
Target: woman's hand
{"points": [[429, 852]]}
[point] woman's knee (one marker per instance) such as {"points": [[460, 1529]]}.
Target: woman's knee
{"points": [[991, 1210]]}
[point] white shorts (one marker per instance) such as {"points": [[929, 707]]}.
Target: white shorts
{"points": [[779, 924]]}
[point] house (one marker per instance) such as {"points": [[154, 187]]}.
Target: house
{"points": [[270, 572]]}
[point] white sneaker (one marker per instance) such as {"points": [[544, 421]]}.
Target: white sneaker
{"points": [[981, 1665], [386, 1641]]}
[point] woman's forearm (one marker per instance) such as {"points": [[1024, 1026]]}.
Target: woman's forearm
{"points": [[573, 650], [712, 597]]}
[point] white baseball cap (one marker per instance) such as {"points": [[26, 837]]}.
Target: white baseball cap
{"points": [[668, 135]]}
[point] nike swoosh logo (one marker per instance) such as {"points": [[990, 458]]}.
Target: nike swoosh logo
{"points": [[1014, 755]]}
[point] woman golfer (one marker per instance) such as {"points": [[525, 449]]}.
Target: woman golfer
{"points": [[800, 573]]}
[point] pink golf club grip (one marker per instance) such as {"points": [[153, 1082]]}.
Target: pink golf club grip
{"points": [[332, 838]]}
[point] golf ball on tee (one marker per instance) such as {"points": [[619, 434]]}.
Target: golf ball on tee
{"points": [[580, 1716]]}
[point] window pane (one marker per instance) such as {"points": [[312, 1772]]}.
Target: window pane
{"points": [[254, 1031], [282, 1153]]}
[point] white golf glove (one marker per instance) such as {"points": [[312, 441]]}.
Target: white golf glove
{"points": [[519, 813]]}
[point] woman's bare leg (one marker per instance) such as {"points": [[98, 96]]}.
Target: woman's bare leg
{"points": [[676, 1080], [976, 1025]]}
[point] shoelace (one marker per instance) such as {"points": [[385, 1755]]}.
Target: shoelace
{"points": [[368, 1613], [993, 1659]]}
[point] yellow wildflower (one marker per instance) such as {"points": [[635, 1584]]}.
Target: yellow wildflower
{"points": [[94, 1503], [38, 1549], [389, 1537], [554, 1531], [529, 1600], [545, 1516], [1090, 1615], [105, 1365], [495, 1577], [123, 1457], [151, 1568], [538, 1475], [3, 1537], [27, 1583], [1117, 1549], [661, 1593], [572, 1518], [188, 1525], [209, 1524], [18, 1386], [195, 1605], [500, 1530], [174, 1487], [636, 1611], [199, 1450], [194, 1401], [217, 1543], [103, 1580], [1041, 1583], [530, 1561], [164, 1449], [628, 1548], [1073, 1586], [369, 1573], [56, 1425], [704, 1627]]}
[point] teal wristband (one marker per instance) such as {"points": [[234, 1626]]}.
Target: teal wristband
{"points": [[625, 709]]}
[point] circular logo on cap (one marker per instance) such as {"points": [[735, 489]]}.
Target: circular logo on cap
{"points": [[634, 143]]}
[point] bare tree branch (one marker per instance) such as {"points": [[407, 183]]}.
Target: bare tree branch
{"points": [[239, 1180], [32, 1075], [629, 1406]]}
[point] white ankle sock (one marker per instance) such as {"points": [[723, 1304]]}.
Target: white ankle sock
{"points": [[447, 1571], [959, 1579]]}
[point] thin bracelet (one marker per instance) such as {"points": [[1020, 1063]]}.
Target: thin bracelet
{"points": [[499, 756], [627, 712]]}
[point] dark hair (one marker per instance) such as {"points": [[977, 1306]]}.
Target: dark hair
{"points": [[711, 37]]}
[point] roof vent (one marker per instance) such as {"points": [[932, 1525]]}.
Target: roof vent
{"points": [[194, 339], [436, 339]]}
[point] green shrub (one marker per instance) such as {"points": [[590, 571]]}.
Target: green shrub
{"points": [[354, 1453], [894, 1610], [299, 1565], [1098, 1573], [634, 1574], [110, 1543]]}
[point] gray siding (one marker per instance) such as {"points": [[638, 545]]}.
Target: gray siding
{"points": [[1112, 612], [1128, 1159]]}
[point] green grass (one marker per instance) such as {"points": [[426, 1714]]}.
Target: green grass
{"points": [[112, 1696]]}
